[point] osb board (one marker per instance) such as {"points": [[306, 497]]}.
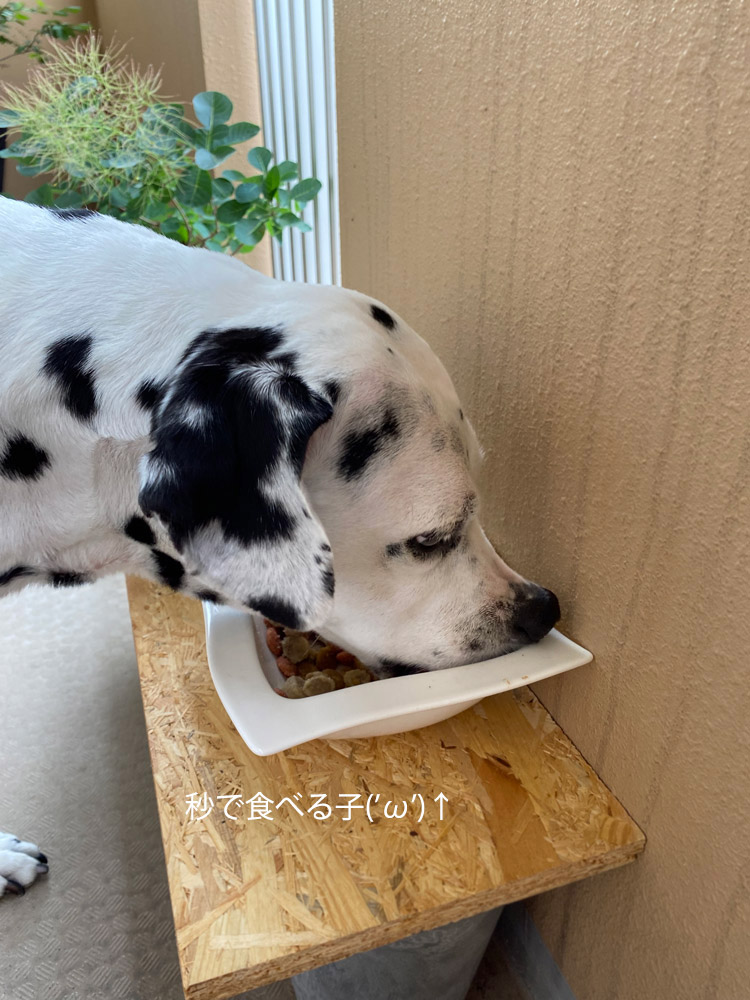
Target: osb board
{"points": [[257, 900]]}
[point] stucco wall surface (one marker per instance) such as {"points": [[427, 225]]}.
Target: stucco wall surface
{"points": [[556, 196]]}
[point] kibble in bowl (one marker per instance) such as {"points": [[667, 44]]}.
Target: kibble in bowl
{"points": [[310, 665]]}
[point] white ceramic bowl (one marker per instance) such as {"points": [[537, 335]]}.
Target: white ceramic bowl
{"points": [[244, 673]]}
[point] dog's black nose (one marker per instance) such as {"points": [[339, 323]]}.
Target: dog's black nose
{"points": [[537, 613]]}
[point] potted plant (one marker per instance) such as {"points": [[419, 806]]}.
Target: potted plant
{"points": [[99, 128]]}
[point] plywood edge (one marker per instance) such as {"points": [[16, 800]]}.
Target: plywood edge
{"points": [[225, 987]]}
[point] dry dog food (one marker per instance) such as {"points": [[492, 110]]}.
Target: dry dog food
{"points": [[311, 665]]}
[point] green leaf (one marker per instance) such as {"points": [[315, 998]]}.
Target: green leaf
{"points": [[69, 199], [18, 148], [44, 195], [241, 132], [194, 187], [212, 108], [74, 170], [81, 87], [260, 210], [287, 171], [156, 211], [249, 232], [216, 136], [306, 190], [207, 159], [134, 209], [260, 157], [161, 143], [8, 118], [32, 168], [203, 229], [192, 136], [174, 229], [271, 182], [123, 160], [166, 119], [121, 195], [216, 244], [250, 190], [233, 175], [221, 188], [290, 219], [284, 198], [230, 211]]}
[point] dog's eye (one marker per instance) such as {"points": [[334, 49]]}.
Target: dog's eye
{"points": [[432, 543], [428, 541]]}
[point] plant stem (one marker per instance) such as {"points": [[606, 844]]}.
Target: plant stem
{"points": [[24, 47], [184, 219]]}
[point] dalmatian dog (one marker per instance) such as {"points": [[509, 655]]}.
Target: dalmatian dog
{"points": [[294, 450]]}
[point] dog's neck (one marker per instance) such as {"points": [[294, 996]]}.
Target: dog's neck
{"points": [[144, 357]]}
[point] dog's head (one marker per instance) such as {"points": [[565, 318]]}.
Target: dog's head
{"points": [[323, 443], [229, 439]]}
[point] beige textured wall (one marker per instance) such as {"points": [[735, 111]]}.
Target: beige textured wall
{"points": [[556, 195], [164, 34]]}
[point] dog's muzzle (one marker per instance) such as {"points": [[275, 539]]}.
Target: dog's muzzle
{"points": [[536, 612]]}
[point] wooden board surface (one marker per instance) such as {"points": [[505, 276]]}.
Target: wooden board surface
{"points": [[257, 900]]}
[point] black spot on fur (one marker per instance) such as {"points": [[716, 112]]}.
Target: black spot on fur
{"points": [[475, 645], [209, 595], [391, 351], [439, 440], [333, 389], [461, 414], [457, 442], [395, 668], [382, 317], [9, 575], [238, 346], [23, 459], [394, 549], [325, 547], [328, 582], [360, 447], [171, 572], [288, 360], [62, 578], [318, 561], [140, 530], [312, 412], [72, 213], [254, 429], [276, 610], [67, 363], [149, 394]]}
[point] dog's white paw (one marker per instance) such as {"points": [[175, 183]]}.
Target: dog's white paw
{"points": [[20, 863]]}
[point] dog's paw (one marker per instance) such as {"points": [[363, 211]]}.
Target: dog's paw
{"points": [[20, 863]]}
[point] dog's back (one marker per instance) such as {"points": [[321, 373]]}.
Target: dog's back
{"points": [[91, 310]]}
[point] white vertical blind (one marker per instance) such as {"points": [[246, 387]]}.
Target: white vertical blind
{"points": [[298, 98]]}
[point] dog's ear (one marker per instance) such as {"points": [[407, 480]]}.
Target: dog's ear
{"points": [[229, 440]]}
